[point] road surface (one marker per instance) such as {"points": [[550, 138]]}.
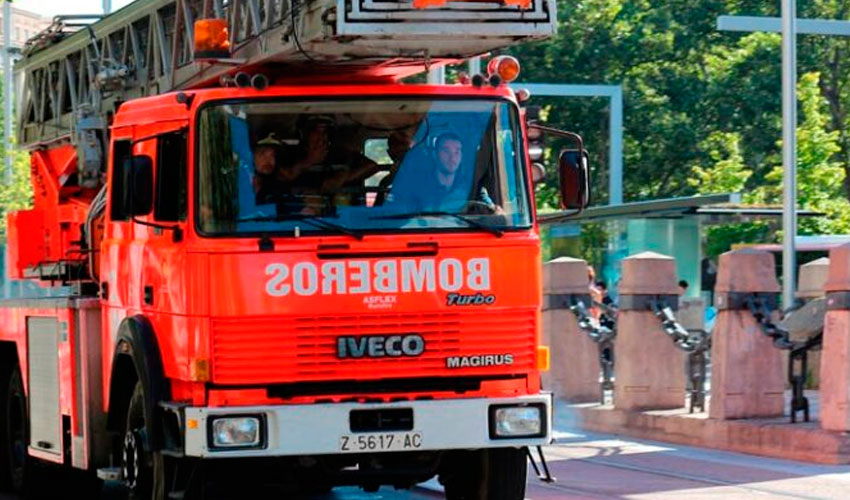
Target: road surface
{"points": [[593, 466]]}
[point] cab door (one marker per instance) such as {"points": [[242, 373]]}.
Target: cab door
{"points": [[161, 237]]}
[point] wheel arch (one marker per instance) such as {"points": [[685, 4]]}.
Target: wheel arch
{"points": [[137, 358]]}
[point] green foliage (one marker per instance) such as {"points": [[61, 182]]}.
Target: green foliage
{"points": [[720, 239], [594, 240], [703, 107], [728, 174], [820, 178], [16, 195]]}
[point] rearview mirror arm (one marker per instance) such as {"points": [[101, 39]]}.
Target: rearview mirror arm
{"points": [[561, 133], [580, 143]]}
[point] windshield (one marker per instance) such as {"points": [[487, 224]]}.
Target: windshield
{"points": [[360, 166]]}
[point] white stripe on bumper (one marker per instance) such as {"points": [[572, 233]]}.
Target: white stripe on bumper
{"points": [[317, 429]]}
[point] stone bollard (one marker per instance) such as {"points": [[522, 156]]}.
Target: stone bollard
{"points": [[649, 373], [746, 369], [835, 355], [574, 372], [808, 320], [813, 278]]}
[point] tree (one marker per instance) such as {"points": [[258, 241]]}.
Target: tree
{"points": [[17, 194], [820, 176], [661, 54]]}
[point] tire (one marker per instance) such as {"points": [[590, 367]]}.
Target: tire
{"points": [[14, 460], [5, 472], [21, 473], [495, 474], [146, 473]]}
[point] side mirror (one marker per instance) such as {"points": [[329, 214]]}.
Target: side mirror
{"points": [[538, 173], [574, 179], [141, 185]]}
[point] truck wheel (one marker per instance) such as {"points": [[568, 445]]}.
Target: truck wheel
{"points": [[495, 474], [15, 432], [144, 471]]}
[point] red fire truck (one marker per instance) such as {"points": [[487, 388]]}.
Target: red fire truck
{"points": [[274, 255]]}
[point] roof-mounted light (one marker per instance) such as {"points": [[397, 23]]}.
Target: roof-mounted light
{"points": [[505, 67], [427, 4], [212, 40]]}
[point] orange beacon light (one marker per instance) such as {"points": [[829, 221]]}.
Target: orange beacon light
{"points": [[211, 39]]}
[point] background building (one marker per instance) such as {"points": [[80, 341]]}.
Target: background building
{"points": [[25, 25]]}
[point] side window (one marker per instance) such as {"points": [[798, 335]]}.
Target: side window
{"points": [[121, 152], [171, 175], [377, 150]]}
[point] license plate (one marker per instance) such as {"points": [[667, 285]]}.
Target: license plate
{"points": [[385, 441]]}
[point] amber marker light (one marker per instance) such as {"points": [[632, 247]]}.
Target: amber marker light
{"points": [[543, 358], [425, 4], [212, 40], [505, 67], [199, 370]]}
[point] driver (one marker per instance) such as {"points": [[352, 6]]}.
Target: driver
{"points": [[446, 187]]}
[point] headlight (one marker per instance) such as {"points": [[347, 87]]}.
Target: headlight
{"points": [[517, 421], [244, 431]]}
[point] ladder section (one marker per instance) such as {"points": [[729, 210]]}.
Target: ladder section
{"points": [[73, 79]]}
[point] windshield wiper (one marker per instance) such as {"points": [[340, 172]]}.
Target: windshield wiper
{"points": [[315, 220], [438, 213]]}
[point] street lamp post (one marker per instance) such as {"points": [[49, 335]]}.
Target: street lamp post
{"points": [[789, 150], [7, 92], [788, 25]]}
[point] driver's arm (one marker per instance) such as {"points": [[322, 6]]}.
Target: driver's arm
{"points": [[483, 196]]}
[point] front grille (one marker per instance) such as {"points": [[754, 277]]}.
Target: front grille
{"points": [[287, 349], [457, 385]]}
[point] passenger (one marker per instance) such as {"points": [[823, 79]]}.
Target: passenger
{"points": [[400, 142], [299, 177], [265, 182], [345, 181], [312, 150], [256, 170], [447, 187]]}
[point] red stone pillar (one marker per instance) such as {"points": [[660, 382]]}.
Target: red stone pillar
{"points": [[650, 369], [835, 354], [746, 369], [808, 320], [574, 372]]}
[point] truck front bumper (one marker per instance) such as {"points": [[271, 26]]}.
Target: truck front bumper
{"points": [[326, 429]]}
